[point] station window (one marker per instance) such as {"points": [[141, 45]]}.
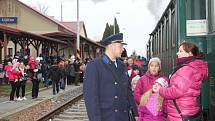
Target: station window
{"points": [[10, 51], [195, 9]]}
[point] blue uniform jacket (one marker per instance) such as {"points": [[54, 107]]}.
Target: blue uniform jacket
{"points": [[108, 98]]}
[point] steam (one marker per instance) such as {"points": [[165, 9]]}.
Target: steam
{"points": [[154, 7], [97, 1]]}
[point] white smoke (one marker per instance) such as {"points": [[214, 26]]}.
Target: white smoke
{"points": [[157, 7], [96, 1], [154, 8]]}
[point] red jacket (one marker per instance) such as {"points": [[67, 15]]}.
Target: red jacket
{"points": [[9, 72], [185, 86], [32, 64], [16, 74], [138, 62]]}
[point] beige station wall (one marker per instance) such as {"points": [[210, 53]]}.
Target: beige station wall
{"points": [[82, 32], [30, 21], [33, 22]]}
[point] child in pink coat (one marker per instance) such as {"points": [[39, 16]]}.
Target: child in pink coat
{"points": [[151, 106], [152, 102]]}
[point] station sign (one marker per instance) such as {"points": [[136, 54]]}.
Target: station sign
{"points": [[196, 27], [8, 20]]}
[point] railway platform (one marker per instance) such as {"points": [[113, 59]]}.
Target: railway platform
{"points": [[33, 109]]}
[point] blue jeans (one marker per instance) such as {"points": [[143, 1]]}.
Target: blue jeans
{"points": [[62, 84], [55, 86], [46, 81]]}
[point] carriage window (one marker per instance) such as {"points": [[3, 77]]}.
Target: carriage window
{"points": [[157, 47], [153, 44], [213, 15], [164, 36], [196, 23], [173, 29], [159, 41], [196, 9], [167, 35]]}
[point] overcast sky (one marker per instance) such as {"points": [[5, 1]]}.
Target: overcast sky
{"points": [[136, 20]]}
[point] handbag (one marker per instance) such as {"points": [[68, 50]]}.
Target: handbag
{"points": [[196, 117], [39, 76], [23, 78]]}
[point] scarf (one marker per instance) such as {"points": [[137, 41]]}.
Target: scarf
{"points": [[181, 61]]}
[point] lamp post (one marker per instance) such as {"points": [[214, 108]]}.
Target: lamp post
{"points": [[61, 11], [124, 33], [114, 26], [78, 29]]}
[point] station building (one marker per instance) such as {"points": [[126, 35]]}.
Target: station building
{"points": [[29, 31]]}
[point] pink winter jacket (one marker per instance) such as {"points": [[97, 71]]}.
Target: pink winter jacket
{"points": [[185, 86]]}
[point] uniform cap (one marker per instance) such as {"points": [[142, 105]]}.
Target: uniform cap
{"points": [[116, 38]]}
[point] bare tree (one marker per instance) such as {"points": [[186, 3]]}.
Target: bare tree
{"points": [[42, 8]]}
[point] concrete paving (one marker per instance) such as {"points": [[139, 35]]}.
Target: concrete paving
{"points": [[11, 107]]}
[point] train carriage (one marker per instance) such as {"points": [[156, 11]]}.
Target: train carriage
{"points": [[194, 21]]}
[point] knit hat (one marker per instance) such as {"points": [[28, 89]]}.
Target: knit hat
{"points": [[38, 59], [155, 59], [162, 82], [135, 67]]}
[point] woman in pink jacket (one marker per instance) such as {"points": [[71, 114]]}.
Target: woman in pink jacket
{"points": [[10, 75], [143, 93], [185, 83]]}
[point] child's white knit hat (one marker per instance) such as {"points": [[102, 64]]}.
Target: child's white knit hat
{"points": [[162, 82]]}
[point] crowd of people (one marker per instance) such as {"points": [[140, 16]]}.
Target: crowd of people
{"points": [[115, 86], [51, 70]]}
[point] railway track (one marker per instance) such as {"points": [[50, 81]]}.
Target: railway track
{"points": [[74, 110], [77, 112]]}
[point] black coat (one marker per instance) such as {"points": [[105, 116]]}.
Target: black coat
{"points": [[107, 98], [54, 73]]}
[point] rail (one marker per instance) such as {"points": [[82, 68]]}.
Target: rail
{"points": [[60, 108]]}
